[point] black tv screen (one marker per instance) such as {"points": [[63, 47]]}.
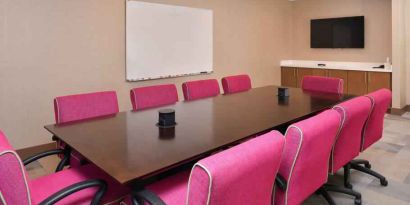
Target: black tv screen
{"points": [[347, 32]]}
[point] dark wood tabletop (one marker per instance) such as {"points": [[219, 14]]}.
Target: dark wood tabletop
{"points": [[129, 146]]}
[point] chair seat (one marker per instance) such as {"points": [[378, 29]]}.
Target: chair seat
{"points": [[172, 190], [45, 186]]}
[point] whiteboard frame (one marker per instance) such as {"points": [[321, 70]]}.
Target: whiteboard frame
{"points": [[169, 76]]}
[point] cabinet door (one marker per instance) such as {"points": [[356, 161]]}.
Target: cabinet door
{"points": [[288, 76], [319, 72], [301, 72], [378, 80], [357, 82], [340, 74]]}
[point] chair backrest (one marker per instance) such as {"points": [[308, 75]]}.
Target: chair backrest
{"points": [[354, 114], [84, 106], [199, 89], [14, 188], [306, 155], [153, 96], [373, 130], [322, 84], [236, 83], [243, 174]]}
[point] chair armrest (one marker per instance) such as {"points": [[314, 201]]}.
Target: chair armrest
{"points": [[144, 195], [78, 187], [38, 156], [42, 155], [281, 182]]}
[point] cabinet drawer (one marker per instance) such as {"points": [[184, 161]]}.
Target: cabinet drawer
{"points": [[378, 80], [340, 74], [288, 77], [357, 82], [320, 72], [302, 72]]}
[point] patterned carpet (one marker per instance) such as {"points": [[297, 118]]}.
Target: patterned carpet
{"points": [[390, 157]]}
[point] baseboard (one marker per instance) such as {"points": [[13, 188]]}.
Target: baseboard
{"points": [[30, 151], [395, 111]]}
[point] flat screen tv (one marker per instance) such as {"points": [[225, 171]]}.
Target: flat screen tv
{"points": [[346, 32]]}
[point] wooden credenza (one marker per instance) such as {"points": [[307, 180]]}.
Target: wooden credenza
{"points": [[355, 82]]}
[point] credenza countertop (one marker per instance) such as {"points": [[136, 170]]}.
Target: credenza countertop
{"points": [[337, 65]]}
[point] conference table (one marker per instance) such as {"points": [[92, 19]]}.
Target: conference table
{"points": [[133, 150]]}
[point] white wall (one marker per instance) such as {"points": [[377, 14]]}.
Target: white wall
{"points": [[50, 48], [399, 53], [407, 43], [378, 35]]}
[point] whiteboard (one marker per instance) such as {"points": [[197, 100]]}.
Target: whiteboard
{"points": [[165, 41]]}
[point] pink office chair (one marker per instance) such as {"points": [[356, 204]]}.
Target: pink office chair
{"points": [[75, 186], [304, 164], [153, 96], [85, 106], [322, 84], [80, 107], [199, 89], [354, 114], [373, 130], [236, 83], [243, 174]]}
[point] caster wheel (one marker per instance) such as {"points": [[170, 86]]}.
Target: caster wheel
{"points": [[368, 166], [358, 201], [384, 182]]}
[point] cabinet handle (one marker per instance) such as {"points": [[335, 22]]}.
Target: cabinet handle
{"points": [[368, 78]]}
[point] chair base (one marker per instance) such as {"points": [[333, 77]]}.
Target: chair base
{"points": [[325, 195], [364, 162], [325, 189], [346, 176], [365, 167]]}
